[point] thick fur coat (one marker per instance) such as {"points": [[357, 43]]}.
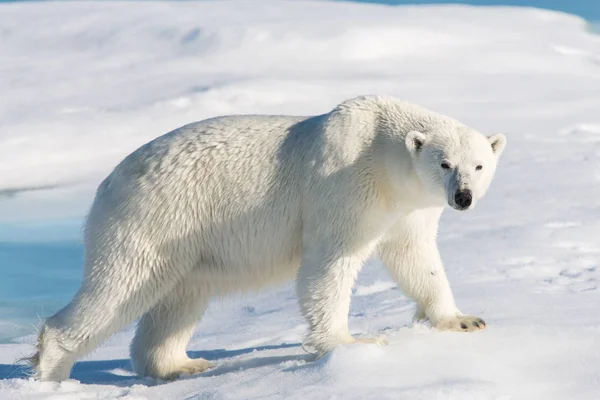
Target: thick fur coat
{"points": [[239, 202]]}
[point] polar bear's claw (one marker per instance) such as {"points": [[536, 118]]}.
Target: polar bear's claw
{"points": [[463, 323]]}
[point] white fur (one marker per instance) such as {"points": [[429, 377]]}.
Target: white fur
{"points": [[236, 203]]}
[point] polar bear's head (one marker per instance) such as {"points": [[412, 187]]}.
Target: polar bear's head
{"points": [[456, 165]]}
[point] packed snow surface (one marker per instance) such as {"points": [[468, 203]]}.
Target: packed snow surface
{"points": [[83, 84]]}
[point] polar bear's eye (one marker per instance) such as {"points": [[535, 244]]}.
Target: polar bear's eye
{"points": [[445, 165], [479, 167]]}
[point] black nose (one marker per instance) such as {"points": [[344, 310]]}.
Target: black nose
{"points": [[463, 198]]}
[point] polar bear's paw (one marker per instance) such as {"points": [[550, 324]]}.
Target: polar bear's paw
{"points": [[190, 367], [462, 323]]}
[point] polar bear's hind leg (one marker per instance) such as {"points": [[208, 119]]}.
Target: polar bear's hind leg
{"points": [[159, 346], [107, 301]]}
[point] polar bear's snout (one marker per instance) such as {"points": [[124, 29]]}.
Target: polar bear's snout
{"points": [[463, 199]]}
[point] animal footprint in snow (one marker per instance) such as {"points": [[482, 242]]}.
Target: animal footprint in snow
{"points": [[576, 279]]}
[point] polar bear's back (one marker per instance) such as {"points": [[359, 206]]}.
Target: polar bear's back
{"points": [[225, 189], [208, 154]]}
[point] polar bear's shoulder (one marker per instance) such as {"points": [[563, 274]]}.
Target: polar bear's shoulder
{"points": [[391, 108]]}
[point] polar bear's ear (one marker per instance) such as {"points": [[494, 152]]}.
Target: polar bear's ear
{"points": [[498, 142], [414, 141]]}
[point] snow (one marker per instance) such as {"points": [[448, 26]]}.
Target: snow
{"points": [[83, 84]]}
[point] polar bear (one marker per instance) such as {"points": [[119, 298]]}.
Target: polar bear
{"points": [[237, 203]]}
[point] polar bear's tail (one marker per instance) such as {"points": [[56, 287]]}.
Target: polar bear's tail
{"points": [[32, 362]]}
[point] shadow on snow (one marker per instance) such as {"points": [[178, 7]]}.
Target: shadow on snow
{"points": [[119, 372]]}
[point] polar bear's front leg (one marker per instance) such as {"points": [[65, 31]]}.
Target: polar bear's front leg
{"points": [[324, 287], [411, 255]]}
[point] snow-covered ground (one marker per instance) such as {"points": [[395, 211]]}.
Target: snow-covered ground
{"points": [[83, 84]]}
